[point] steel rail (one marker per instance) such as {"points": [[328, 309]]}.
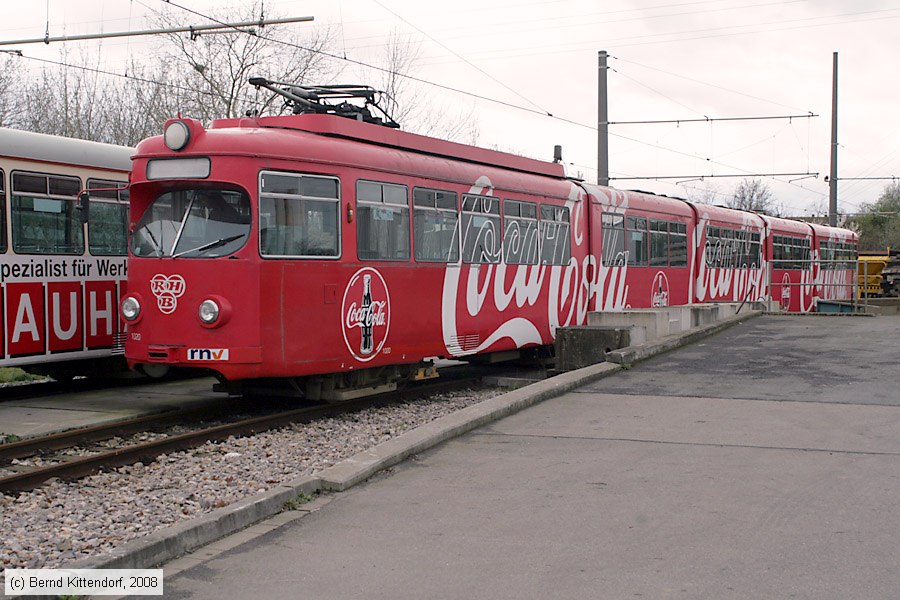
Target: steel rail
{"points": [[148, 451]]}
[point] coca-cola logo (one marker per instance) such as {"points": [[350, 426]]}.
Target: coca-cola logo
{"points": [[167, 289], [786, 292], [366, 314], [659, 293]]}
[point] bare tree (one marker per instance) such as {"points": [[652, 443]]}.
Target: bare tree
{"points": [[10, 79], [402, 98], [215, 67], [408, 103], [754, 195], [148, 97], [708, 194], [67, 101]]}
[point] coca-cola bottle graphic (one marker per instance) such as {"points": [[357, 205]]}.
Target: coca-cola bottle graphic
{"points": [[366, 345]]}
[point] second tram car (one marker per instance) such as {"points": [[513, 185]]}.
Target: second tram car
{"points": [[62, 273], [340, 254]]}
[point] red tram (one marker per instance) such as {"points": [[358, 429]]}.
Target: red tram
{"points": [[341, 254], [62, 273]]}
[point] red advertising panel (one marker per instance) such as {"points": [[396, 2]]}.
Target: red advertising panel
{"points": [[101, 313], [65, 329], [25, 318]]}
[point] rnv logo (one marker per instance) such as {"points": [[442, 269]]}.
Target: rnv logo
{"points": [[207, 354]]}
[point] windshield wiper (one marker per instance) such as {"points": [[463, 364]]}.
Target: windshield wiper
{"points": [[211, 245], [156, 245]]}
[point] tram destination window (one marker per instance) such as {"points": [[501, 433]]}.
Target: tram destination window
{"points": [[299, 216], [382, 221], [108, 218], [44, 219], [481, 238], [521, 242], [435, 226], [556, 246]]}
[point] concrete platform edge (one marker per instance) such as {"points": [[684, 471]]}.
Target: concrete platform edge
{"points": [[361, 466], [632, 354], [167, 543]]}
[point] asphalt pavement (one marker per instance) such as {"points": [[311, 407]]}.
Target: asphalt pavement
{"points": [[760, 463]]}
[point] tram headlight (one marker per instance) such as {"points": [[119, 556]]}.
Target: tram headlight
{"points": [[176, 135], [131, 308], [209, 311], [214, 311]]}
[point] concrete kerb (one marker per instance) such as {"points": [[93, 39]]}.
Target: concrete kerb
{"points": [[360, 467], [168, 543], [165, 544], [632, 354]]}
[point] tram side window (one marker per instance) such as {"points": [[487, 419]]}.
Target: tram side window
{"points": [[712, 247], [847, 254], [637, 241], [778, 253], [613, 238], [827, 252], [435, 226], [481, 239], [44, 220], [678, 246], [556, 244], [108, 218], [298, 215], [728, 248], [753, 259], [659, 243], [382, 223], [800, 253], [790, 253], [2, 211], [520, 233]]}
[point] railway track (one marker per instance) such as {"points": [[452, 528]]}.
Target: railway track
{"points": [[21, 476]]}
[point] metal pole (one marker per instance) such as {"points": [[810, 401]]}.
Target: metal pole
{"points": [[833, 179], [189, 28], [602, 122]]}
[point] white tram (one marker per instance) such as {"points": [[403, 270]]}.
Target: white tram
{"points": [[62, 265]]}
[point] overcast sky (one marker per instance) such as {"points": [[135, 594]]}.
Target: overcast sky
{"points": [[669, 59]]}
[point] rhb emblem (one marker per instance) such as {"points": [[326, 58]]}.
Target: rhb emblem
{"points": [[167, 289], [366, 314]]}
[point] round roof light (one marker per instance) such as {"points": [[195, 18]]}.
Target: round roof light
{"points": [[176, 135]]}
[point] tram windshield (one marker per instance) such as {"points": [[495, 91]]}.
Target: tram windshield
{"points": [[193, 223]]}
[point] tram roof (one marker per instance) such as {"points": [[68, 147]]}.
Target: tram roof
{"points": [[340, 127], [62, 150]]}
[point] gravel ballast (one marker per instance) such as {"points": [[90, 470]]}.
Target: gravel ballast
{"points": [[62, 522]]}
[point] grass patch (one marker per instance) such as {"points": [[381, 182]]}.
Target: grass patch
{"points": [[13, 374], [300, 500]]}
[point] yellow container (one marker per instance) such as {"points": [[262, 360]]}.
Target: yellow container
{"points": [[869, 274]]}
